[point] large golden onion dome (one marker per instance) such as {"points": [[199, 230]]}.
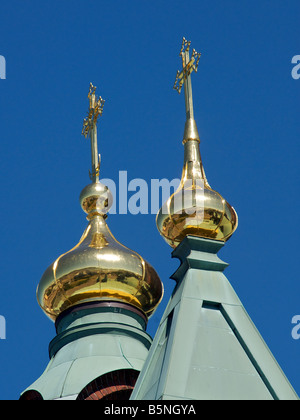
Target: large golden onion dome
{"points": [[98, 268], [195, 208]]}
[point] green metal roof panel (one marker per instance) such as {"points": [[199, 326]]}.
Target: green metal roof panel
{"points": [[83, 352], [206, 346], [50, 384]]}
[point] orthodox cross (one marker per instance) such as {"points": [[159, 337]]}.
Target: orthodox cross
{"points": [[90, 129], [184, 76]]}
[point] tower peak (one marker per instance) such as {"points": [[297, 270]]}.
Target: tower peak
{"points": [[195, 208], [183, 77], [89, 129]]}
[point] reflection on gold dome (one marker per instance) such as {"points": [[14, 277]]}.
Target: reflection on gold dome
{"points": [[195, 208], [99, 268]]}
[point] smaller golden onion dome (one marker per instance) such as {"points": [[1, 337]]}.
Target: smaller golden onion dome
{"points": [[95, 199], [195, 208], [98, 267]]}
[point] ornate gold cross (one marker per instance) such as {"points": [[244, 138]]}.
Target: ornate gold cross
{"points": [[184, 76], [90, 129]]}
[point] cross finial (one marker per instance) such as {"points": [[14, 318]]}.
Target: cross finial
{"points": [[90, 129], [184, 76]]}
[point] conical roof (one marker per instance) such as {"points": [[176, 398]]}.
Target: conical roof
{"points": [[206, 346]]}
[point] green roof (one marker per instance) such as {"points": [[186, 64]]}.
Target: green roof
{"points": [[206, 346]]}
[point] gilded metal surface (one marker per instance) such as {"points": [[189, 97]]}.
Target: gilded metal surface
{"points": [[188, 65], [90, 129], [99, 268], [195, 208], [207, 215], [95, 110], [184, 78], [95, 199]]}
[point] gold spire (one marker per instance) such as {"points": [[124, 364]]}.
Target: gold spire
{"points": [[99, 267], [195, 208], [90, 129], [184, 78]]}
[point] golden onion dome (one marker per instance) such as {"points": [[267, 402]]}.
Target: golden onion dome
{"points": [[195, 208], [98, 268]]}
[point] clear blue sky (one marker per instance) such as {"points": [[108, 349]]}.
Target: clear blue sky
{"points": [[247, 111]]}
